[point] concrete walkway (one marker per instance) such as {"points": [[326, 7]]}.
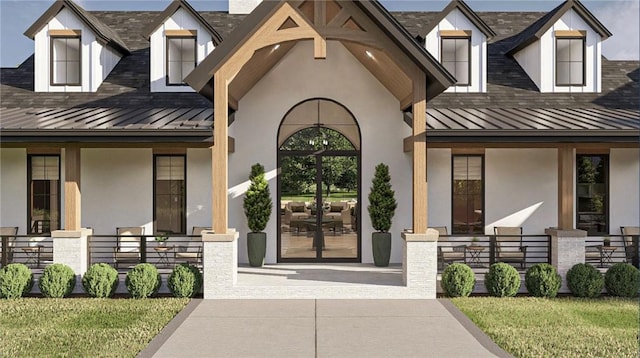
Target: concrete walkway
{"points": [[321, 328]]}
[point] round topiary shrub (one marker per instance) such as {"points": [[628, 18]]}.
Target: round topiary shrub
{"points": [[185, 281], [143, 281], [622, 280], [542, 280], [458, 280], [585, 280], [57, 281], [502, 280], [16, 281], [100, 281]]}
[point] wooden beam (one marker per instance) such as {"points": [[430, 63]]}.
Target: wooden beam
{"points": [[72, 197], [565, 188], [406, 102], [219, 155], [65, 32], [455, 33], [187, 33], [320, 13], [407, 144], [420, 154], [570, 33], [319, 48]]}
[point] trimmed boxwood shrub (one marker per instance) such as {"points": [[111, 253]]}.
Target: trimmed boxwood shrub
{"points": [[458, 280], [57, 281], [622, 280], [502, 280], [16, 280], [185, 281], [100, 281], [542, 280], [585, 280], [143, 281]]}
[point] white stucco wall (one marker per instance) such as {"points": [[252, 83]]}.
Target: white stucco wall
{"points": [[13, 188], [117, 189], [180, 20], [198, 188], [439, 180], [624, 188], [96, 60], [456, 20], [529, 59], [341, 78], [521, 188]]}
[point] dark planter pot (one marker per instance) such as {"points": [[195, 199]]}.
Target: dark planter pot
{"points": [[256, 248], [381, 242]]}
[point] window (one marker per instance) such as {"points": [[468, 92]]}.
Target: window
{"points": [[169, 194], [570, 61], [468, 194], [456, 52], [592, 194], [43, 193], [65, 61], [181, 58]]}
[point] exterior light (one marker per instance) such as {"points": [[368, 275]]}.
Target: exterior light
{"points": [[369, 54], [276, 47]]}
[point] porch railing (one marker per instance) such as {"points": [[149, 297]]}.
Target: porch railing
{"points": [[32, 250], [105, 249], [482, 251], [603, 253]]}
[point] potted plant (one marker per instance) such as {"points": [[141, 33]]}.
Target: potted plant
{"points": [[257, 208], [607, 240], [382, 207], [161, 238]]}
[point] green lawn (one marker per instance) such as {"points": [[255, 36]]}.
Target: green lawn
{"points": [[562, 327], [82, 327]]}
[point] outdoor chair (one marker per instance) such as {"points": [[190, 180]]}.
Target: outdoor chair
{"points": [[509, 248], [630, 250], [8, 235], [191, 253], [593, 253], [127, 249], [448, 253]]}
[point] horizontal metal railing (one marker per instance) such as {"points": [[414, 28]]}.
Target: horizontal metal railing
{"points": [[34, 250], [603, 251], [103, 248], [481, 251]]}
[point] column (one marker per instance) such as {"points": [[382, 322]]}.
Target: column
{"points": [[219, 262], [420, 154], [565, 188], [567, 249], [420, 261], [72, 198], [70, 248]]}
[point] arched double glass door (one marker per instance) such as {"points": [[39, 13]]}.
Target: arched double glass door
{"points": [[319, 184]]}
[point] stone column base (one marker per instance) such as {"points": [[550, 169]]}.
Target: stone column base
{"points": [[219, 262], [420, 261], [567, 249], [70, 248]]}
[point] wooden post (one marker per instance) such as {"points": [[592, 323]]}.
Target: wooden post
{"points": [[420, 154], [72, 199], [565, 188], [219, 155]]}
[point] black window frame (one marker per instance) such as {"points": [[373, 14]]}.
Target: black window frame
{"points": [[584, 61], [52, 38], [195, 57], [606, 202], [482, 195], [468, 38], [183, 219], [30, 193]]}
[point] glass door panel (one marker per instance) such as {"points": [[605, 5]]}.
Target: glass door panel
{"points": [[297, 213]]}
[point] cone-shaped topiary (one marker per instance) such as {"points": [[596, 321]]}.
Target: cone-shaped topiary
{"points": [[382, 204], [542, 280], [16, 281], [622, 280], [502, 280], [100, 280], [57, 281], [257, 200], [143, 281], [185, 281], [585, 280], [458, 280]]}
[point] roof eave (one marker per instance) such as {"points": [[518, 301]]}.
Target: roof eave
{"points": [[468, 12], [170, 10]]}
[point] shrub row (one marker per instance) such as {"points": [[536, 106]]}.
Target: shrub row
{"points": [[542, 280], [100, 281]]}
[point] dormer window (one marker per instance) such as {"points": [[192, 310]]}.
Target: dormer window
{"points": [[570, 54], [181, 56], [65, 58], [456, 55]]}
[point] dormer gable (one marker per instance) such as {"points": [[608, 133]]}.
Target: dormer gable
{"points": [[458, 39], [561, 52], [74, 51], [180, 39]]}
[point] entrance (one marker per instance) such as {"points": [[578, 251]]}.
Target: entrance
{"points": [[318, 184]]}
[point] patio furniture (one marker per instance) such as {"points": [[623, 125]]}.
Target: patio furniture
{"points": [[127, 248], [339, 213], [191, 253], [294, 213], [8, 235], [593, 253], [630, 250], [448, 253], [509, 246]]}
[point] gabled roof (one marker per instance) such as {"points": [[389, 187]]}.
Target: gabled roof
{"points": [[103, 33], [438, 79], [466, 11], [171, 9], [534, 32]]}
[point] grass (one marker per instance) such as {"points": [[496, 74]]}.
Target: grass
{"points": [[82, 327], [561, 327]]}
